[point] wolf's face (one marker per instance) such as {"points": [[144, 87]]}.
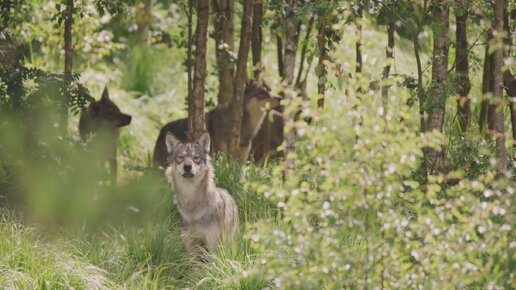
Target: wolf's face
{"points": [[258, 94], [107, 113], [188, 160], [258, 99]]}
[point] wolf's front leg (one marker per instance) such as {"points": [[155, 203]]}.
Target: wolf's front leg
{"points": [[192, 245], [113, 170], [212, 237]]}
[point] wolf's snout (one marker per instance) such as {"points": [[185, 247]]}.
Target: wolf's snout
{"points": [[187, 167], [124, 120]]}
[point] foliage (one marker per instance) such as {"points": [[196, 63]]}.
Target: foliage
{"points": [[29, 89], [357, 215]]}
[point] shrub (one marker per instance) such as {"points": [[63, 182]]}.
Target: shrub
{"points": [[356, 213]]}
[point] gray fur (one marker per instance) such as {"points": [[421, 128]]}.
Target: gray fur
{"points": [[208, 213]]}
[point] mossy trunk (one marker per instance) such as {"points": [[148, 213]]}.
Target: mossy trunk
{"points": [[196, 120], [290, 62], [434, 158], [237, 102], [225, 46], [462, 71], [498, 126]]}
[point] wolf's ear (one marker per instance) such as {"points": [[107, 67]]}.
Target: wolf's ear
{"points": [[94, 108], [204, 141], [171, 141], [105, 94]]}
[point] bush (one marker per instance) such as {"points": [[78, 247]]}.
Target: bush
{"points": [[356, 213]]}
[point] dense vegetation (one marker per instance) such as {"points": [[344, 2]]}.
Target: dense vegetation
{"points": [[397, 123]]}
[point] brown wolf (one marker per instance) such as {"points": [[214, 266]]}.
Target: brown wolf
{"points": [[208, 213], [256, 95], [102, 121]]}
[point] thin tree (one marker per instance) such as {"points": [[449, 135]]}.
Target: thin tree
{"points": [[256, 41], [280, 51], [68, 48], [189, 44], [389, 55], [434, 159], [300, 82], [196, 121], [508, 78], [486, 87], [262, 139], [358, 42], [290, 62], [499, 128], [225, 46], [321, 67], [236, 112], [143, 19], [415, 41], [462, 65]]}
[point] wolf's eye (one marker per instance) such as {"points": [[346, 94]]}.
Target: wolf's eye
{"points": [[180, 158], [196, 159]]}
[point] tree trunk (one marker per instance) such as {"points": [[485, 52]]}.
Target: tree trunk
{"points": [[389, 59], [486, 89], [358, 46], [68, 48], [280, 51], [188, 62], [225, 46], [309, 27], [491, 107], [143, 19], [499, 128], [321, 67], [434, 159], [237, 111], [261, 141], [421, 93], [508, 78], [256, 42], [290, 62], [196, 121], [462, 71]]}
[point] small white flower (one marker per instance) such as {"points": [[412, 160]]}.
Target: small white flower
{"points": [[488, 193], [415, 254], [506, 228]]}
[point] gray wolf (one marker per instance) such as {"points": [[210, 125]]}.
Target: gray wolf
{"points": [[101, 122], [208, 213], [256, 95]]}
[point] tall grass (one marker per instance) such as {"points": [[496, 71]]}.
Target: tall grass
{"points": [[142, 251], [28, 262]]}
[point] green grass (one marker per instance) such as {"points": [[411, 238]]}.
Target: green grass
{"points": [[28, 262], [144, 251]]}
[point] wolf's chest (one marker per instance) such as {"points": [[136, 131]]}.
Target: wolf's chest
{"points": [[196, 214], [200, 220]]}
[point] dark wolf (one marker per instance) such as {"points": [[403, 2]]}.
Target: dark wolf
{"points": [[256, 95], [208, 213], [100, 124]]}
